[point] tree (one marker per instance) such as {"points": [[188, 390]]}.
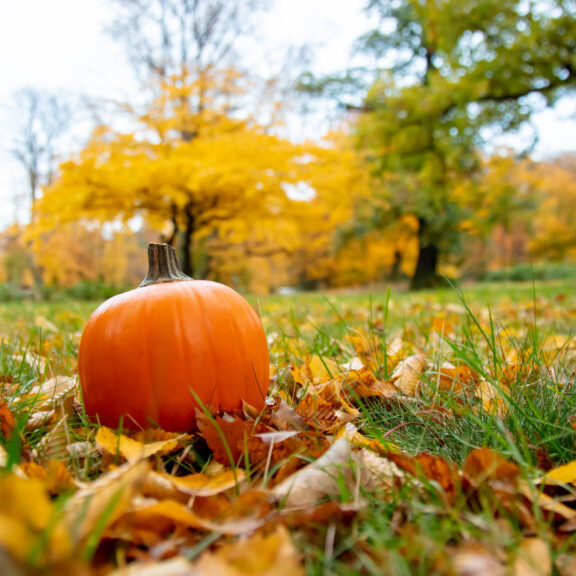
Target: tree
{"points": [[554, 183], [232, 171], [41, 121], [185, 53], [449, 75]]}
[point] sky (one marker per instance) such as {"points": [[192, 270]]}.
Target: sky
{"points": [[60, 45]]}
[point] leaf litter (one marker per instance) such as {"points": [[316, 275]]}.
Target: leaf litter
{"points": [[237, 496]]}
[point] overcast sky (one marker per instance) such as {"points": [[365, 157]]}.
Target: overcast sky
{"points": [[60, 45]]}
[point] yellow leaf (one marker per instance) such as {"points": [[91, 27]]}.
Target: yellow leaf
{"points": [[316, 370], [272, 555], [565, 474], [43, 323], [159, 485], [202, 485], [26, 514], [131, 449], [148, 512]]}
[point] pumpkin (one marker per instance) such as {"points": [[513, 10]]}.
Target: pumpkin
{"points": [[148, 354]]}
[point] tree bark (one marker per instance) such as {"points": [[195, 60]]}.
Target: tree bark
{"points": [[187, 260], [426, 275]]}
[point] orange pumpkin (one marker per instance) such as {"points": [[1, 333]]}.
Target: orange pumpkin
{"points": [[143, 352]]}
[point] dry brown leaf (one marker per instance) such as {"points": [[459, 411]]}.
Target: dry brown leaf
{"points": [[174, 567], [407, 374], [50, 392], [40, 420], [32, 360], [350, 432], [432, 467], [484, 465], [104, 500], [232, 439], [272, 555], [315, 370], [475, 560], [458, 379], [130, 449], [237, 517], [323, 415], [54, 444], [533, 558], [546, 503], [338, 465]]}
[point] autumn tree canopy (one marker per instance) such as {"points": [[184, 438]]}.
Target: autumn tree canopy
{"points": [[450, 76]]}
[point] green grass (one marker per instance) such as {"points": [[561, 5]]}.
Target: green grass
{"points": [[501, 331]]}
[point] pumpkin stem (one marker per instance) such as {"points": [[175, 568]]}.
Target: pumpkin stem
{"points": [[162, 265]]}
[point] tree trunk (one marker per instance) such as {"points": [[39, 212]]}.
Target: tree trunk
{"points": [[397, 262], [187, 260], [426, 275]]}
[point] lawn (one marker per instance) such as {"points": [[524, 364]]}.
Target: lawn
{"points": [[406, 433]]}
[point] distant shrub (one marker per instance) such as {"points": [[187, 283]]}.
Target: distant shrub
{"points": [[12, 293], [91, 291], [528, 272]]}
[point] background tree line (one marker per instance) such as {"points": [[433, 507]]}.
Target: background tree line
{"points": [[408, 187]]}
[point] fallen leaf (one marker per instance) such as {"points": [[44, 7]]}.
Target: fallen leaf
{"points": [[159, 515], [338, 466], [27, 520], [434, 468], [475, 560], [54, 474], [54, 444], [103, 501], [165, 485], [315, 370], [457, 379], [546, 503], [50, 392], [130, 449], [272, 555], [232, 439], [407, 374], [483, 465], [533, 558], [174, 567], [565, 474], [45, 324], [39, 420], [7, 422], [323, 415]]}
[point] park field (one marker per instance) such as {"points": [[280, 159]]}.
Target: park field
{"points": [[405, 433]]}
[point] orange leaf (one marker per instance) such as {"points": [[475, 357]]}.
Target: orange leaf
{"points": [[229, 439], [483, 465], [7, 422]]}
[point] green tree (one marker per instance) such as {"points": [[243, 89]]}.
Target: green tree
{"points": [[450, 75]]}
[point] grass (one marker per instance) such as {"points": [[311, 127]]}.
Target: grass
{"points": [[517, 337]]}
